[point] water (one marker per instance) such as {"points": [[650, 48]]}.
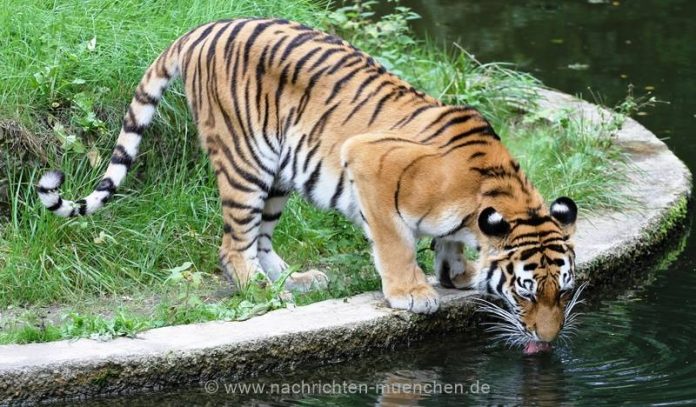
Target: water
{"points": [[637, 346]]}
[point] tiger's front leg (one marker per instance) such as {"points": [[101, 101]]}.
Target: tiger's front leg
{"points": [[403, 283]]}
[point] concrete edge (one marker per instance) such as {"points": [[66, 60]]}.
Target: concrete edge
{"points": [[336, 330]]}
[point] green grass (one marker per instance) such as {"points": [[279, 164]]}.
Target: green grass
{"points": [[149, 259]]}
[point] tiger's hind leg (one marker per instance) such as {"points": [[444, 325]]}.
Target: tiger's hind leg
{"points": [[451, 267], [273, 265], [242, 195]]}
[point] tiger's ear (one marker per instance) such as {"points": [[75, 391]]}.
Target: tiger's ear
{"points": [[492, 223], [565, 211]]}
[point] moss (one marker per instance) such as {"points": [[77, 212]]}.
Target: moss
{"points": [[659, 244]]}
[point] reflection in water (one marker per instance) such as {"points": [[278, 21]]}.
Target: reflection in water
{"points": [[636, 347]]}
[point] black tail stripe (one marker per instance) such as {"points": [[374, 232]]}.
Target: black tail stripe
{"points": [[121, 157], [56, 205]]}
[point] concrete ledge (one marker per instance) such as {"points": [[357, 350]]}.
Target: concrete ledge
{"points": [[336, 330]]}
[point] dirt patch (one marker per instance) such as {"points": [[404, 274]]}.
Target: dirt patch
{"points": [[19, 147]]}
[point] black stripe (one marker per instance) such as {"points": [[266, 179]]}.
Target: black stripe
{"points": [[496, 192], [304, 100], [333, 40], [120, 156], [230, 203], [251, 227], [282, 80], [324, 57], [144, 98], [444, 114], [260, 72], [499, 287], [249, 177], [231, 132], [285, 160], [107, 184], [296, 42], [555, 248], [271, 217], [56, 205], [493, 171], [260, 28], [341, 62], [529, 253], [363, 85], [533, 221], [312, 181], [296, 156], [243, 221], [365, 100], [82, 206], [401, 176], [340, 83], [466, 144], [406, 120], [309, 157], [483, 130], [379, 106], [229, 46], [534, 234], [459, 227], [319, 126], [203, 35], [275, 48], [302, 61], [233, 183], [244, 248], [489, 275], [213, 43], [338, 192], [452, 122], [553, 239], [133, 127]]}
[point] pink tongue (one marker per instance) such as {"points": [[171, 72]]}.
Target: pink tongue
{"points": [[536, 347]]}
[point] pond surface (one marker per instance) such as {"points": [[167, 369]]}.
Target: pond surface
{"points": [[636, 348]]}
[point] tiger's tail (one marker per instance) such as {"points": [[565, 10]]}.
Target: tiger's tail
{"points": [[138, 117]]}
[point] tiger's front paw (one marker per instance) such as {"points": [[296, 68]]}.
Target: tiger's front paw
{"points": [[467, 280], [421, 299]]}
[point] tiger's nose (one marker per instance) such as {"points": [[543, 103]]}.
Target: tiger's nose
{"points": [[546, 335], [547, 332]]}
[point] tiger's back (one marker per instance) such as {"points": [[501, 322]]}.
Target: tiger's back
{"points": [[302, 94]]}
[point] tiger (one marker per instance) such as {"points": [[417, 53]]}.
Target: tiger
{"points": [[280, 108]]}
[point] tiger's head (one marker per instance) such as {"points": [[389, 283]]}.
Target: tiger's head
{"points": [[528, 261]]}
